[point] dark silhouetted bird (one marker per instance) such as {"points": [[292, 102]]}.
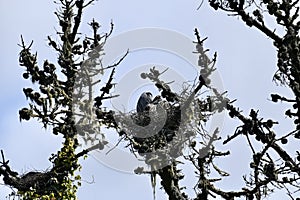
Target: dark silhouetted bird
{"points": [[143, 102]]}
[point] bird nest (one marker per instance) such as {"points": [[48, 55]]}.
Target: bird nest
{"points": [[160, 133]]}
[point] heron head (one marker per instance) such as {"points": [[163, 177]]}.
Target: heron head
{"points": [[149, 94]]}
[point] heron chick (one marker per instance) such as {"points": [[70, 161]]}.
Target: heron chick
{"points": [[143, 102]]}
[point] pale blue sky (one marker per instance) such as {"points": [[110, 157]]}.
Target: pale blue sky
{"points": [[246, 62]]}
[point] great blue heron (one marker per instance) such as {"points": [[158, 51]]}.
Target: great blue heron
{"points": [[143, 102]]}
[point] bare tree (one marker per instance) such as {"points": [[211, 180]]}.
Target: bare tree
{"points": [[65, 102], [52, 104]]}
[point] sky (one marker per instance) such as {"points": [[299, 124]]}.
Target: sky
{"points": [[246, 63]]}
